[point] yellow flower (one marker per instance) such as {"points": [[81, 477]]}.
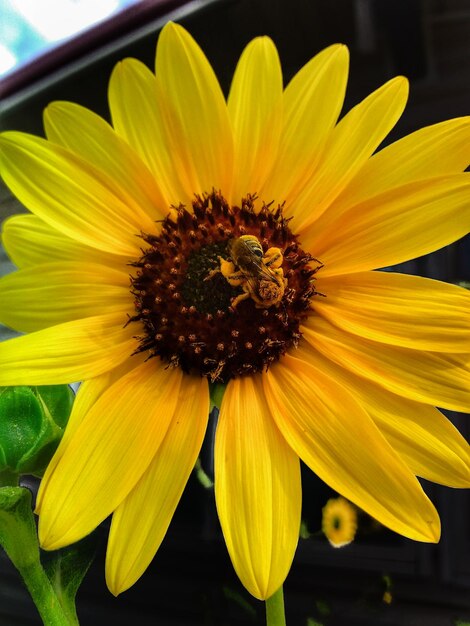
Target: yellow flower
{"points": [[343, 370], [339, 522], [387, 597]]}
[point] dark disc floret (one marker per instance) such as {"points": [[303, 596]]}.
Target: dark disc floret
{"points": [[185, 304]]}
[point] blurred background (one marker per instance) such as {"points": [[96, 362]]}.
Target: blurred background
{"points": [[66, 49]]}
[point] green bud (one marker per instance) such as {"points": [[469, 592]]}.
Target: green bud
{"points": [[32, 421], [17, 527]]}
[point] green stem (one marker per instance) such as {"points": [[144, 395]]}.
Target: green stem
{"points": [[19, 540], [43, 595], [275, 615]]}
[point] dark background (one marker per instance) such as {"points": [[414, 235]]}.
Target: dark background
{"points": [[191, 580]]}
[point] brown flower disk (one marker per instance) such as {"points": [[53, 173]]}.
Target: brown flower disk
{"points": [[187, 316]]}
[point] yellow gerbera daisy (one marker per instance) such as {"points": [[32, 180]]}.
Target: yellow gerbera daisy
{"points": [[339, 522], [325, 360]]}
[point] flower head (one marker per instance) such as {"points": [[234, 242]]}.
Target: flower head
{"points": [[196, 240], [339, 522]]}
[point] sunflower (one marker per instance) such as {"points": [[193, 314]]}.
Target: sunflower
{"points": [[339, 522], [198, 241]]}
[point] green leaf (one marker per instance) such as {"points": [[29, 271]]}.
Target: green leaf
{"points": [[66, 569], [57, 400], [32, 422], [21, 422]]}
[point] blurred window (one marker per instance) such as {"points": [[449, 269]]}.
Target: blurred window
{"points": [[29, 28]]}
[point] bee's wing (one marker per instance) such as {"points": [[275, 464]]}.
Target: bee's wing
{"points": [[252, 265], [259, 272]]}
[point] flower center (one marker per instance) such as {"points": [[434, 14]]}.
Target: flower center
{"points": [[222, 290]]}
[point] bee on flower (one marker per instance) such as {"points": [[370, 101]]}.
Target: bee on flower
{"points": [[328, 361]]}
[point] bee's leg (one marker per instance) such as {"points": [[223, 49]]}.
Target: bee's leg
{"points": [[225, 268], [240, 298], [212, 273], [279, 274], [235, 279], [273, 258]]}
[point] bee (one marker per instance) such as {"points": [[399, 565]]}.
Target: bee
{"points": [[259, 274]]}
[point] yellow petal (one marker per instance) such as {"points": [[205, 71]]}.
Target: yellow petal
{"points": [[137, 117], [71, 195], [398, 309], [400, 224], [425, 440], [195, 114], [435, 150], [257, 489], [88, 135], [72, 290], [88, 393], [434, 378], [427, 153], [312, 102], [254, 107], [336, 438], [351, 143], [28, 241], [67, 352], [111, 449], [139, 524]]}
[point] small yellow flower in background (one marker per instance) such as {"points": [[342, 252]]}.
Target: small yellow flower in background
{"points": [[325, 360], [339, 522], [387, 597]]}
